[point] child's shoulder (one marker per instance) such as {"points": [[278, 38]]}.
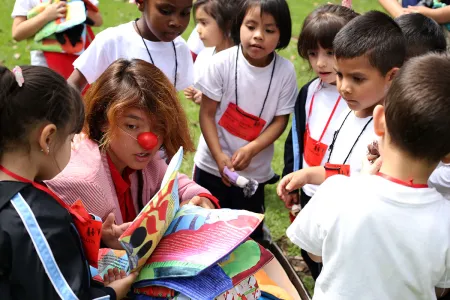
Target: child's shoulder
{"points": [[116, 33]]}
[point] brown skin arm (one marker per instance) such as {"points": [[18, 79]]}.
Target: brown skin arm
{"points": [[96, 17], [77, 80], [317, 259], [440, 292]]}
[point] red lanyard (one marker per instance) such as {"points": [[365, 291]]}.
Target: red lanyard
{"points": [[44, 189], [331, 115], [405, 183]]}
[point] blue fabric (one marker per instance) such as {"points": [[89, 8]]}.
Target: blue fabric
{"points": [[295, 147], [207, 285], [405, 3], [42, 248]]}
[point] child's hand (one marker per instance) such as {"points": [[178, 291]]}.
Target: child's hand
{"points": [[290, 199], [55, 11], [121, 285], [111, 232], [223, 160], [290, 182], [198, 97], [113, 275], [189, 93], [199, 201], [242, 158], [371, 164]]}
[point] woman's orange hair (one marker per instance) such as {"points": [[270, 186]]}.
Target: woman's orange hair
{"points": [[136, 83]]}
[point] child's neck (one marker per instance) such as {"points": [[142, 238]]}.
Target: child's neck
{"points": [[145, 31], [399, 165], [20, 164], [225, 44], [367, 112]]}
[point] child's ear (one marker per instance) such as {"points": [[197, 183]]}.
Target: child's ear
{"points": [[140, 5], [47, 137], [446, 159], [379, 121], [391, 75]]}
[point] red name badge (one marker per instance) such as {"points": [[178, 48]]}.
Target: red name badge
{"points": [[241, 124], [336, 169], [90, 232], [314, 150]]}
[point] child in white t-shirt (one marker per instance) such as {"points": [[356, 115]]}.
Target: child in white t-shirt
{"points": [[318, 103], [155, 38], [365, 70], [24, 28], [194, 43], [213, 19], [248, 93], [387, 236]]}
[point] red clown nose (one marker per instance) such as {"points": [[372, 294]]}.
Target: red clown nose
{"points": [[147, 140]]}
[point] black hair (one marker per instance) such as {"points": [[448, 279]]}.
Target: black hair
{"points": [[417, 108], [222, 11], [279, 9], [375, 35], [321, 26], [45, 96], [422, 34]]}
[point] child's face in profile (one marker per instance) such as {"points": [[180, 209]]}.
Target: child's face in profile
{"points": [[165, 19], [124, 149], [360, 84], [208, 29]]}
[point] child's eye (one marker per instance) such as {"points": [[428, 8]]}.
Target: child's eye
{"points": [[186, 13], [330, 53], [311, 53], [251, 28], [131, 127], [358, 79], [339, 74], [165, 11], [270, 31]]}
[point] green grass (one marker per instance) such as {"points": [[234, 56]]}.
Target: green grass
{"points": [[118, 11]]}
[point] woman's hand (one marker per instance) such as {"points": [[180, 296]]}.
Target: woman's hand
{"points": [[111, 232], [199, 201]]}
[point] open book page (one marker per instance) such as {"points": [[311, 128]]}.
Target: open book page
{"points": [[197, 239], [146, 231]]}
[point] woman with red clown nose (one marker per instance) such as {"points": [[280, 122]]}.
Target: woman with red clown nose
{"points": [[117, 166]]}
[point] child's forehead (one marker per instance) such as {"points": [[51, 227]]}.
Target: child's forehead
{"points": [[360, 64], [174, 3]]}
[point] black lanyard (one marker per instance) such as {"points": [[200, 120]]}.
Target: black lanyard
{"points": [[336, 133], [150, 55], [236, 85]]}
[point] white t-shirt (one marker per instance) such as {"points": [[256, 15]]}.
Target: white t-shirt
{"points": [[124, 42], [378, 239], [324, 101], [202, 62], [21, 8], [194, 42], [218, 83], [348, 135], [440, 180]]}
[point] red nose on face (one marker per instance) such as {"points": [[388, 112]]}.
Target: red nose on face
{"points": [[147, 140]]}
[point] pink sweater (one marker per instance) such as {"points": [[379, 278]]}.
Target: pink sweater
{"points": [[87, 177]]}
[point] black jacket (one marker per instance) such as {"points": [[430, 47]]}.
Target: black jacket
{"points": [[297, 133], [22, 275]]}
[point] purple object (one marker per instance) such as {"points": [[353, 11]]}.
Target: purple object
{"points": [[233, 176]]}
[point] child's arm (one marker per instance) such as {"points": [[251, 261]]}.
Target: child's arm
{"points": [[440, 15], [440, 292], [243, 156], [96, 17], [77, 80], [392, 7], [23, 28], [208, 110], [295, 180]]}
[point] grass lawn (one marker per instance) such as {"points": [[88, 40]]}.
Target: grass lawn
{"points": [[117, 11]]}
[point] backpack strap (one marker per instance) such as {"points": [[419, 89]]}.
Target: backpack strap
{"points": [[42, 248]]}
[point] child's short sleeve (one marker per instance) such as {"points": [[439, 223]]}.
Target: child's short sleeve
{"points": [[21, 8], [289, 92], [444, 283], [95, 60], [310, 227], [185, 67], [212, 81]]}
